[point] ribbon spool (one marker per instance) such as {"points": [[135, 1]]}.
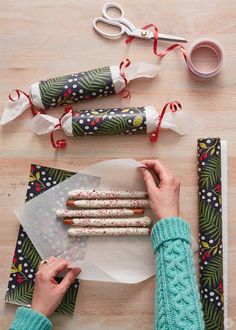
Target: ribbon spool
{"points": [[195, 61], [190, 56]]}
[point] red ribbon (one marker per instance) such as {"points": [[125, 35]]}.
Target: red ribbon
{"points": [[155, 42], [32, 107], [61, 143], [125, 93], [174, 106]]}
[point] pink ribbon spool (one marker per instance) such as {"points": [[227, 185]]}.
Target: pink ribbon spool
{"points": [[206, 45]]}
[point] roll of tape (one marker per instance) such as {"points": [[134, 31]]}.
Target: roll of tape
{"points": [[205, 58]]}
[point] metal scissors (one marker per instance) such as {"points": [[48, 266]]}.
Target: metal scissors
{"points": [[127, 27]]}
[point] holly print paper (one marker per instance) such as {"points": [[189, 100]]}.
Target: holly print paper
{"points": [[210, 232], [76, 87], [26, 258], [112, 121]]}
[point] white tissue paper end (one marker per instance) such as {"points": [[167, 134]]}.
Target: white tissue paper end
{"points": [[14, 109], [179, 121], [141, 70], [42, 124]]}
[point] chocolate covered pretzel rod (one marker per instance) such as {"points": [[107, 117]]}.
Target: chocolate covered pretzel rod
{"points": [[109, 222], [108, 203], [99, 213], [103, 194], [109, 231]]}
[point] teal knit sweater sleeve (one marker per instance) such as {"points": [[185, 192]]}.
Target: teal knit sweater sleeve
{"points": [[177, 304], [28, 319]]}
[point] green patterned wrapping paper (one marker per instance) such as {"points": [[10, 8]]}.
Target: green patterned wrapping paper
{"points": [[210, 232], [26, 258], [115, 121], [76, 87]]}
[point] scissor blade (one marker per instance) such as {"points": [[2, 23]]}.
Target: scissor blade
{"points": [[169, 37]]}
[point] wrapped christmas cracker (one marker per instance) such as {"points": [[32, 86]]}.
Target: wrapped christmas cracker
{"points": [[115, 121], [76, 87]]}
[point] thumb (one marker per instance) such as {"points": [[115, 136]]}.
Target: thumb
{"points": [[69, 278], [149, 181]]}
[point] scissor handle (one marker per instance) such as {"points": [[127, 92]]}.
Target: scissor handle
{"points": [[106, 34], [107, 6], [120, 19]]}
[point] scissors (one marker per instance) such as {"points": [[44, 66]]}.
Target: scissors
{"points": [[127, 27]]}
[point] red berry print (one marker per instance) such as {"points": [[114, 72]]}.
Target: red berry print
{"points": [[97, 120], [37, 189], [91, 116], [19, 278], [92, 123], [206, 255], [218, 187], [205, 156], [69, 91], [201, 159], [33, 168], [65, 94], [220, 286], [14, 260]]}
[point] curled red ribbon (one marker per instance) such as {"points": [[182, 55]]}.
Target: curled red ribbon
{"points": [[155, 42], [61, 143], [18, 93], [174, 106], [125, 93]]}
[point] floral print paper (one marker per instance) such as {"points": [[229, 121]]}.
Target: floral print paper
{"points": [[76, 87], [26, 258], [210, 232], [114, 121]]}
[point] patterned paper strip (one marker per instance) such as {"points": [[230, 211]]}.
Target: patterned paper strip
{"points": [[26, 258], [110, 121], [76, 87], [210, 232]]}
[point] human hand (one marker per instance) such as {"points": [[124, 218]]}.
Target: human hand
{"points": [[48, 293], [164, 197]]}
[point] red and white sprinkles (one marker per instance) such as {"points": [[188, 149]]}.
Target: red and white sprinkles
{"points": [[107, 203], [106, 212], [101, 194], [109, 222], [109, 231], [101, 213]]}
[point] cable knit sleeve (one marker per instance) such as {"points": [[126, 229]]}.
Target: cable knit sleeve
{"points": [[28, 319], [177, 303]]}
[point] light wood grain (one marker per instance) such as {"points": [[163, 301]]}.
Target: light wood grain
{"points": [[41, 39]]}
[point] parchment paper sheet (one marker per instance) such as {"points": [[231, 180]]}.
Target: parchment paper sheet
{"points": [[115, 259]]}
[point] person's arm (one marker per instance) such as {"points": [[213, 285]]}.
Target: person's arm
{"points": [[46, 297], [28, 319], [177, 299]]}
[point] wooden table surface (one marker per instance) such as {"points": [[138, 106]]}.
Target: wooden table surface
{"points": [[42, 39]]}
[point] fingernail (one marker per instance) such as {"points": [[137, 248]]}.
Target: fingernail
{"points": [[76, 271], [143, 166], [142, 169]]}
